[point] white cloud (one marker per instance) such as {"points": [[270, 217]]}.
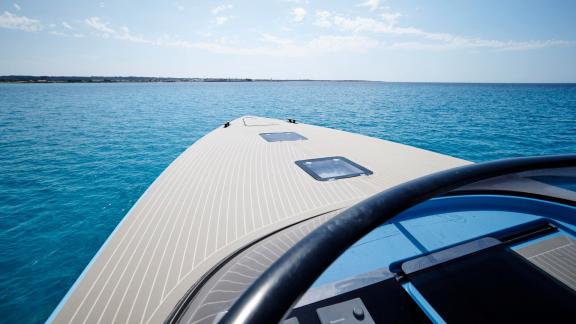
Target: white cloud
{"points": [[65, 34], [66, 25], [365, 24], [271, 45], [267, 38], [266, 44], [11, 21], [123, 33], [432, 40], [470, 43], [99, 25], [323, 19], [298, 14], [282, 47], [360, 24], [17, 7], [218, 9], [57, 33], [220, 20], [391, 18], [371, 4]]}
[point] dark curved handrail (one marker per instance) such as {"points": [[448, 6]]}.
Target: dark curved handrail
{"points": [[276, 290]]}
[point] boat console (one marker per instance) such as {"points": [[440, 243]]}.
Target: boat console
{"points": [[492, 242]]}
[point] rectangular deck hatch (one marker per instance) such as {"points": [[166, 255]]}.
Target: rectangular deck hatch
{"points": [[331, 168], [494, 284], [556, 255], [282, 137]]}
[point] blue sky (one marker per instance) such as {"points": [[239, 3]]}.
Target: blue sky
{"points": [[392, 40]]}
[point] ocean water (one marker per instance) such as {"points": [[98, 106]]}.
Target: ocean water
{"points": [[75, 157]]}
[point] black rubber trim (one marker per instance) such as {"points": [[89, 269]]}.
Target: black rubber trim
{"points": [[183, 303], [529, 234], [273, 294]]}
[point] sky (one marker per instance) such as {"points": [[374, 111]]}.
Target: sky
{"points": [[384, 40]]}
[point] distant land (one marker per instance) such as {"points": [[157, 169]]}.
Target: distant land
{"points": [[132, 79], [117, 79]]}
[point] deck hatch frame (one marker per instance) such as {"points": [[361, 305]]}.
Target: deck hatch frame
{"points": [[332, 168], [282, 137]]}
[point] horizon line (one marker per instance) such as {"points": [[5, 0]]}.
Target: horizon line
{"points": [[118, 78]]}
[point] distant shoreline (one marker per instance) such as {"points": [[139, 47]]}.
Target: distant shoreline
{"points": [[133, 79], [118, 79]]}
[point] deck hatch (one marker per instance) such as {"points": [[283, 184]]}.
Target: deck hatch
{"points": [[494, 285], [282, 137], [555, 255], [332, 168]]}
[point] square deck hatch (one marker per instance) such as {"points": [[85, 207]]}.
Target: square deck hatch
{"points": [[282, 137], [332, 168]]}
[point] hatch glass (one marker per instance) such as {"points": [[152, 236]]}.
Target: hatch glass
{"points": [[282, 137], [331, 168]]}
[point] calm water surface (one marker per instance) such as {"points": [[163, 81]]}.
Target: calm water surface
{"points": [[75, 157]]}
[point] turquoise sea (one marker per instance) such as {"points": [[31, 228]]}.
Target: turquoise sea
{"points": [[75, 157]]}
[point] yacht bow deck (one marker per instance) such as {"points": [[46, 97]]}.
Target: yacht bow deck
{"points": [[228, 189]]}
